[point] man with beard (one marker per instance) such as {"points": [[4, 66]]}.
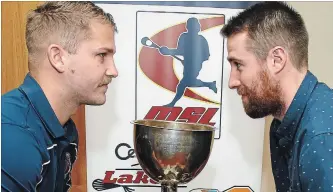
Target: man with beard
{"points": [[268, 52]]}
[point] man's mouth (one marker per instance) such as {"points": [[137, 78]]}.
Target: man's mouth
{"points": [[240, 93], [103, 85]]}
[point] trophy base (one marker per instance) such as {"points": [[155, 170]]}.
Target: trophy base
{"points": [[169, 187]]}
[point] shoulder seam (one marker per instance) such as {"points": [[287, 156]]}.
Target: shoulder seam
{"points": [[26, 115], [17, 125]]}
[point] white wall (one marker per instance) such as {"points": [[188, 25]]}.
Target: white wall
{"points": [[318, 20]]}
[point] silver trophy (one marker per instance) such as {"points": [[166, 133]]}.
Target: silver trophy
{"points": [[172, 153]]}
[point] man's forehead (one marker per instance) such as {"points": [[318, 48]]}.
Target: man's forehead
{"points": [[237, 41], [103, 34], [99, 45], [101, 30]]}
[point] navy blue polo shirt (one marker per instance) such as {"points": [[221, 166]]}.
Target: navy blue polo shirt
{"points": [[302, 144], [37, 151]]}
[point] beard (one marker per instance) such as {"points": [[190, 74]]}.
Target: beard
{"points": [[264, 97]]}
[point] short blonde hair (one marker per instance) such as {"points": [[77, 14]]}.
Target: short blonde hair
{"points": [[65, 22]]}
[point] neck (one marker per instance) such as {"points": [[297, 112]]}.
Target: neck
{"points": [[290, 83], [62, 104]]}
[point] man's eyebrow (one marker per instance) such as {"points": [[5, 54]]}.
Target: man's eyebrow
{"points": [[109, 50], [231, 59]]}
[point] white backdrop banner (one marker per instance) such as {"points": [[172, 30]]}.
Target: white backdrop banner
{"points": [[186, 81]]}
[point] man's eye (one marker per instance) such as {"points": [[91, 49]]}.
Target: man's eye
{"points": [[102, 55], [238, 65]]}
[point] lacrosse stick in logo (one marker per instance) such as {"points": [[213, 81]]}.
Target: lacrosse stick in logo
{"points": [[151, 44], [98, 185]]}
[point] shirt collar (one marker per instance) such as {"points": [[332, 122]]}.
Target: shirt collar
{"points": [[288, 127], [41, 105]]}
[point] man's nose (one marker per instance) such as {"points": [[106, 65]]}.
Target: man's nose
{"points": [[112, 69], [233, 81]]}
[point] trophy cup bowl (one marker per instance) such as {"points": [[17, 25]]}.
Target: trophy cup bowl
{"points": [[172, 153]]}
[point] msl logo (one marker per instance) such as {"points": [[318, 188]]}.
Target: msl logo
{"points": [[179, 68], [189, 114]]}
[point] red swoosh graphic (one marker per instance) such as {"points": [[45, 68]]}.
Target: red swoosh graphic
{"points": [[159, 68]]}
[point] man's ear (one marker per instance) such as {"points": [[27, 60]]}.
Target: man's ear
{"points": [[55, 54], [277, 59]]}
